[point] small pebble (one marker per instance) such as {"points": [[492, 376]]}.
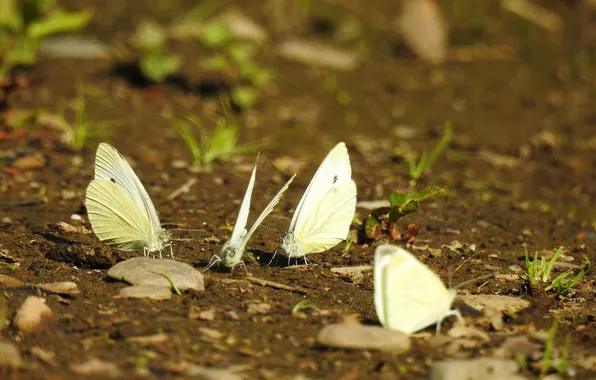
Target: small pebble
{"points": [[33, 315]]}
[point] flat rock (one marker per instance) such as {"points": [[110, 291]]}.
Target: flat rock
{"points": [[10, 282], [316, 54], [95, 367], [33, 315], [354, 274], [501, 303], [74, 47], [475, 369], [154, 292], [150, 271], [364, 338], [9, 355], [64, 287]]}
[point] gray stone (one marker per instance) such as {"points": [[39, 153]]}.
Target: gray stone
{"points": [[155, 292], [364, 338], [74, 47], [9, 355], [475, 369], [150, 271], [502, 303], [65, 287]]}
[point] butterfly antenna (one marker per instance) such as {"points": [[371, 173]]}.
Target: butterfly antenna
{"points": [[187, 229], [266, 227], [451, 273]]}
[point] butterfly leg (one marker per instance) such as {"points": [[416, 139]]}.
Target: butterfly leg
{"points": [[214, 259], [145, 252], [274, 253], [241, 263], [171, 251], [457, 315]]}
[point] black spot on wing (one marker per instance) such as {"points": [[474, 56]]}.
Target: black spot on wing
{"points": [[112, 180], [335, 178]]}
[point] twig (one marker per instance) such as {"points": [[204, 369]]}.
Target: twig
{"points": [[182, 189], [276, 285]]}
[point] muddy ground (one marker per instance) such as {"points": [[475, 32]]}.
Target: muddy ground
{"points": [[520, 170]]}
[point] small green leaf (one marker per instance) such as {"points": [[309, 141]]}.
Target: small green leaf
{"points": [[10, 17], [241, 53], [215, 34], [398, 200], [245, 96], [59, 21], [158, 68], [23, 52], [216, 63], [372, 227], [149, 36]]}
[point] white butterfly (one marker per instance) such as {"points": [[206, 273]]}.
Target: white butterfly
{"points": [[232, 250], [408, 295], [326, 210], [119, 208]]}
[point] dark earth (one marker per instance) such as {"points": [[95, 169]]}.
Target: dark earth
{"points": [[519, 171]]}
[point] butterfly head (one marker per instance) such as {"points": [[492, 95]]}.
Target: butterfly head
{"points": [[160, 239], [290, 245], [229, 256]]}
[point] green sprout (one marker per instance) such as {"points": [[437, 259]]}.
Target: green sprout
{"points": [[222, 143], [4, 320], [237, 58], [385, 218], [540, 270], [347, 247], [10, 266], [549, 361], [23, 24], [77, 134], [227, 226], [303, 305], [155, 64], [418, 165], [174, 287]]}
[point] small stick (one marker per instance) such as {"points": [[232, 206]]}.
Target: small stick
{"points": [[276, 285], [182, 189]]}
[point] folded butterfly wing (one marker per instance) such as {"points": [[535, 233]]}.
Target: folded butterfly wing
{"points": [[111, 165], [329, 221], [408, 295], [115, 217]]}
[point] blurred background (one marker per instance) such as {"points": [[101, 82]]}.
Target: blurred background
{"points": [[515, 78]]}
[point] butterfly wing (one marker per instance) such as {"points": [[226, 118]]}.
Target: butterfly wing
{"points": [[111, 165], [334, 170], [329, 221], [266, 212], [408, 295], [115, 216], [240, 227]]}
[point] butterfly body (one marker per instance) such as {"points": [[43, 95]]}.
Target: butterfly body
{"points": [[232, 250]]}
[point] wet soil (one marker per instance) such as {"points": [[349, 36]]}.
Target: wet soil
{"points": [[507, 185]]}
